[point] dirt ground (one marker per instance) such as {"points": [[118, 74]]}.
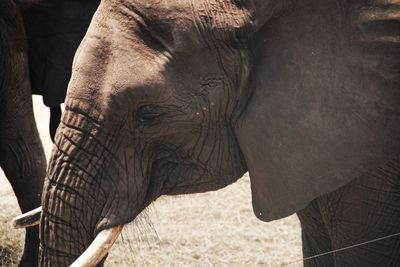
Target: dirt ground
{"points": [[211, 229]]}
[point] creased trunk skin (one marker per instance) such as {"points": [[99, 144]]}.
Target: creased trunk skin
{"points": [[72, 198]]}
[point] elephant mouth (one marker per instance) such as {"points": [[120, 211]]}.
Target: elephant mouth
{"points": [[96, 251]]}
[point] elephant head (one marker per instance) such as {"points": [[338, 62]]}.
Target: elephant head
{"points": [[174, 97]]}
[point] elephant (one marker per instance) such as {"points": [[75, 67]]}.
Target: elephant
{"points": [[182, 96], [22, 156], [33, 60], [54, 30]]}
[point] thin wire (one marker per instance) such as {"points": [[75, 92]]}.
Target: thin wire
{"points": [[338, 250]]}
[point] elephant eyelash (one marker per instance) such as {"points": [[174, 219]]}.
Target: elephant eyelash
{"points": [[148, 113], [212, 81]]}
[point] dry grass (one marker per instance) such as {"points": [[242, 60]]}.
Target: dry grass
{"points": [[10, 247], [11, 241], [10, 244], [211, 229]]}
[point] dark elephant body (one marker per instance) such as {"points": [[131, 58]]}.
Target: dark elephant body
{"points": [[21, 153], [360, 221], [54, 32], [37, 42], [171, 97]]}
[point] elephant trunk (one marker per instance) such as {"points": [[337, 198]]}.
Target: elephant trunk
{"points": [[73, 199], [91, 185], [67, 225]]}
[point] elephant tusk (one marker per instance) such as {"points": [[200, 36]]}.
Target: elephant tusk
{"points": [[28, 219], [98, 248]]}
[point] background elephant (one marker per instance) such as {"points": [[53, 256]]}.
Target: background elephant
{"points": [[21, 153], [173, 97], [41, 60], [54, 30]]}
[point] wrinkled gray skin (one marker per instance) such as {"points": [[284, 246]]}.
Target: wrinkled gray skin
{"points": [[21, 153], [173, 97]]}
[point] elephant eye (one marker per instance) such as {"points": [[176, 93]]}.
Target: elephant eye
{"points": [[148, 113]]}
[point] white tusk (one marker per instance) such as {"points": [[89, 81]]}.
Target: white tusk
{"points": [[99, 248], [28, 219]]}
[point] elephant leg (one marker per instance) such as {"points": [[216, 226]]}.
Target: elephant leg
{"points": [[21, 153], [366, 209], [23, 161], [315, 237]]}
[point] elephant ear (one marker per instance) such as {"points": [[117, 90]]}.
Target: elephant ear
{"points": [[325, 107], [54, 31]]}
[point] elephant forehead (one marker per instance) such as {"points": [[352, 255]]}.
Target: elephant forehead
{"points": [[109, 61], [188, 23]]}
